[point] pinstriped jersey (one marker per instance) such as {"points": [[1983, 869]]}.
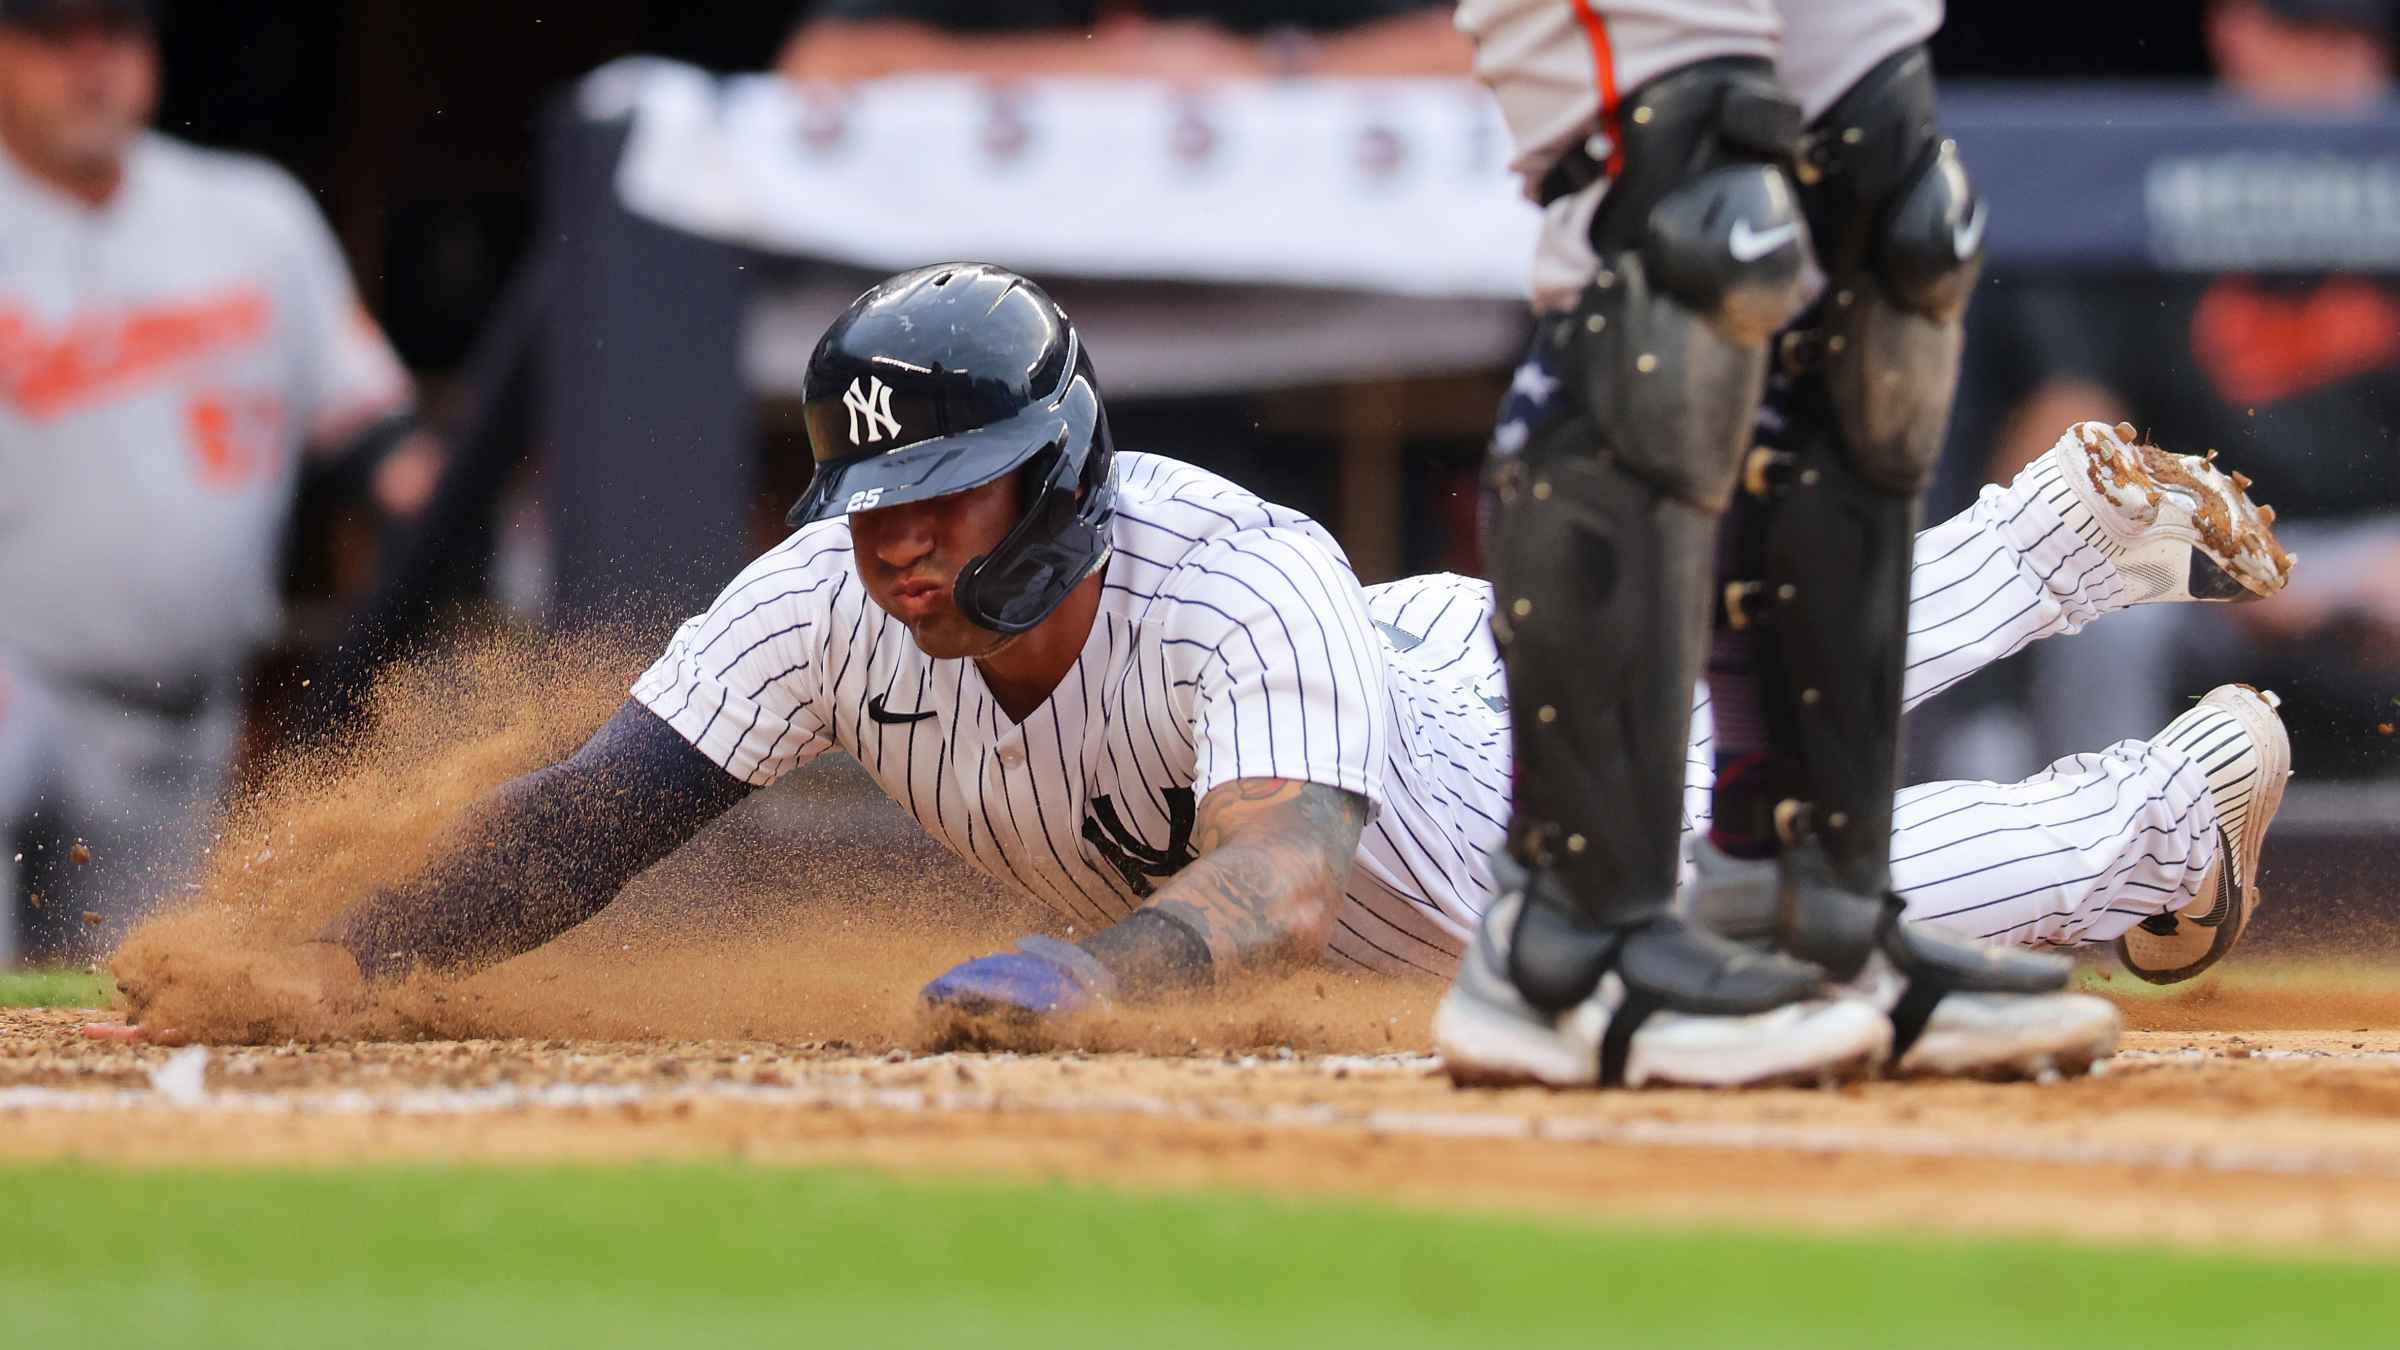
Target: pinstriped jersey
{"points": [[1232, 641]]}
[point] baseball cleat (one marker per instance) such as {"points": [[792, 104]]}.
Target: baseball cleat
{"points": [[2238, 737], [1489, 1036], [2177, 527], [2018, 1024], [1995, 1035]]}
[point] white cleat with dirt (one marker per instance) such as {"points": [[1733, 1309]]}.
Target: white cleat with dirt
{"points": [[2238, 737], [2177, 527]]}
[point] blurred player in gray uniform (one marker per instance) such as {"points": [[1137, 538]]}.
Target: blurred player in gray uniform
{"points": [[1728, 186], [175, 324]]}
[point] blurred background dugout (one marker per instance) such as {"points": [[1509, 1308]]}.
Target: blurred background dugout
{"points": [[1288, 230]]}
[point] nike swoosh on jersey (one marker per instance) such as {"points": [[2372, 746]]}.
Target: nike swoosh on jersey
{"points": [[877, 712], [1748, 244]]}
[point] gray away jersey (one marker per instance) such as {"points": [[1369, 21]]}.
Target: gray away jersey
{"points": [[162, 359], [1232, 641]]}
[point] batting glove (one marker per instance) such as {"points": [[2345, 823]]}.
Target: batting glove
{"points": [[1043, 977]]}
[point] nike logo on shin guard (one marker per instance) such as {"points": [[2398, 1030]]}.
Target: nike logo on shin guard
{"points": [[1747, 244]]}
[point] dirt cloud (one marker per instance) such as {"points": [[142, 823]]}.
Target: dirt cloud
{"points": [[812, 914]]}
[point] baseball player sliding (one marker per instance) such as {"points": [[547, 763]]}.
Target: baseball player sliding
{"points": [[1166, 710]]}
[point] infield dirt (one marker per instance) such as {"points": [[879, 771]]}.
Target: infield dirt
{"points": [[2282, 1140], [754, 997]]}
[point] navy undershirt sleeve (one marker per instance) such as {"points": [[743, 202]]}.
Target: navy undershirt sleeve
{"points": [[544, 852]]}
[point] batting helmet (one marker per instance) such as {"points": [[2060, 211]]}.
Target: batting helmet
{"points": [[944, 379]]}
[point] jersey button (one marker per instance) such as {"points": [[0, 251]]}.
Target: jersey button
{"points": [[1011, 755]]}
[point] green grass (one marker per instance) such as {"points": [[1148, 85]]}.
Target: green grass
{"points": [[727, 1256], [54, 989]]}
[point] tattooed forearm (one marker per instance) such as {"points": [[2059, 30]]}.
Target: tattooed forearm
{"points": [[1274, 855]]}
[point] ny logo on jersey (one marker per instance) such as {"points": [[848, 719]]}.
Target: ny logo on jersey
{"points": [[874, 404], [1142, 866]]}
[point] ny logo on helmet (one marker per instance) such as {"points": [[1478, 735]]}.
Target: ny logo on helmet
{"points": [[874, 403]]}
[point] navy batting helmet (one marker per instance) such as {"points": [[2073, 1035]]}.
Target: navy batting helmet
{"points": [[944, 379]]}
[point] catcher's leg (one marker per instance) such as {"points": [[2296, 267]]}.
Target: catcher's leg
{"points": [[1604, 526], [1828, 520]]}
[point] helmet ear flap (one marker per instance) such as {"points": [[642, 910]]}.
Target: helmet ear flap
{"points": [[1068, 503], [1042, 557]]}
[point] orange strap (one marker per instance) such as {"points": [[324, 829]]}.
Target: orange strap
{"points": [[1604, 73]]}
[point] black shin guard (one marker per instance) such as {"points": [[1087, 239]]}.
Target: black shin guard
{"points": [[1837, 554], [1863, 401], [1834, 605], [1582, 551], [1600, 728], [1603, 536]]}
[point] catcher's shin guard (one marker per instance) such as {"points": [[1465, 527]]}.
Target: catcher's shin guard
{"points": [[1831, 515], [1603, 521], [1833, 608]]}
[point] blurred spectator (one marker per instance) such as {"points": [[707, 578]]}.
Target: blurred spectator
{"points": [[1186, 41], [2296, 379], [175, 324]]}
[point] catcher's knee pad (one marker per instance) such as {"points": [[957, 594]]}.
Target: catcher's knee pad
{"points": [[1899, 232], [1702, 250]]}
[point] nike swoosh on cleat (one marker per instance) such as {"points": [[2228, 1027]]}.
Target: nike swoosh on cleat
{"points": [[2229, 888], [1748, 244], [878, 712]]}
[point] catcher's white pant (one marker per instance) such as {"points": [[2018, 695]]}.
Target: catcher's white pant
{"points": [[2079, 852], [1559, 68]]}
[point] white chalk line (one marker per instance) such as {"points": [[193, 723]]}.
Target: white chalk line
{"points": [[178, 1088]]}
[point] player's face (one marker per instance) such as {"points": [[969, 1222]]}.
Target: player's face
{"points": [[910, 557], [74, 98]]}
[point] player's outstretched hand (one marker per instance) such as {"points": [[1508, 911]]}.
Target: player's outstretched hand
{"points": [[313, 976], [1021, 981]]}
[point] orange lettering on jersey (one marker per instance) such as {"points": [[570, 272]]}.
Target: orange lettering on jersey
{"points": [[234, 436], [97, 355]]}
